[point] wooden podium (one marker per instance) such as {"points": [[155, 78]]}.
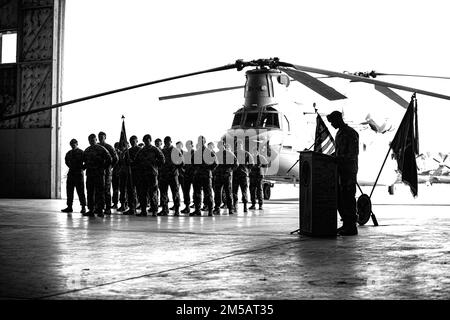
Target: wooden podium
{"points": [[318, 194]]}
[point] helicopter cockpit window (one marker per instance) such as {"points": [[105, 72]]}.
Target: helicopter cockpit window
{"points": [[251, 119], [237, 119], [270, 119]]}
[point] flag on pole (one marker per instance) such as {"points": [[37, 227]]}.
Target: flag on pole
{"points": [[123, 142], [323, 142], [405, 146]]}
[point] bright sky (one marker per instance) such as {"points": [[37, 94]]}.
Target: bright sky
{"points": [[111, 44]]}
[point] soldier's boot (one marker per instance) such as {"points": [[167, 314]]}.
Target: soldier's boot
{"points": [[186, 210], [88, 214], [210, 213], [100, 213], [216, 210], [260, 206], [205, 208], [143, 213], [114, 206], [230, 211], [83, 209], [177, 211], [164, 211], [67, 210], [108, 211], [235, 207], [245, 207], [349, 231], [129, 212], [196, 212], [252, 207]]}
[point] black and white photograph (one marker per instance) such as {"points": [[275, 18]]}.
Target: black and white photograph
{"points": [[224, 155]]}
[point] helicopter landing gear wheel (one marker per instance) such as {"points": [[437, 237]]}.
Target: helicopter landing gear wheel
{"points": [[266, 191], [363, 209]]}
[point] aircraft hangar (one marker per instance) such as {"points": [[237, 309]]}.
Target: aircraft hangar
{"points": [[47, 254]]}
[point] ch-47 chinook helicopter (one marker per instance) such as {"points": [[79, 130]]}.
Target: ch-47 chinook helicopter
{"points": [[260, 119], [260, 113]]}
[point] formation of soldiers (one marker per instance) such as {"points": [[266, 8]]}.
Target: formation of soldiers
{"points": [[138, 173]]}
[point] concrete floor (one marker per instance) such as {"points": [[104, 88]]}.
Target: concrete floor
{"points": [[46, 254]]}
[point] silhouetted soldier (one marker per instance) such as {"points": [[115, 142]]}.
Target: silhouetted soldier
{"points": [[256, 177], [347, 149], [240, 175], [204, 162], [223, 176], [168, 177], [179, 146], [124, 178], [131, 174], [188, 176], [75, 176], [108, 170], [116, 177], [149, 159], [210, 146], [159, 145], [96, 159]]}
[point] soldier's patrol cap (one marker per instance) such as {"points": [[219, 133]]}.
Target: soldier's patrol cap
{"points": [[101, 133], [73, 141], [335, 115]]}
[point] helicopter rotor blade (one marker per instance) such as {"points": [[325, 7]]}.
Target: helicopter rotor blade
{"points": [[374, 74], [367, 80], [61, 104], [407, 75], [316, 85], [392, 95], [195, 93]]}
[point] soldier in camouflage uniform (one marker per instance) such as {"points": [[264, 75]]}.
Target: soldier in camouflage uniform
{"points": [[204, 163], [347, 150], [130, 178], [95, 160], [240, 174], [188, 175], [75, 176], [149, 160], [168, 176], [108, 170], [116, 177], [256, 177], [223, 176], [159, 145], [210, 147]]}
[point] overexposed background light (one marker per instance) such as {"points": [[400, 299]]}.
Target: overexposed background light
{"points": [[9, 44], [111, 44]]}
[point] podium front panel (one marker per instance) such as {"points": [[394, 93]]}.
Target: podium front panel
{"points": [[318, 194]]}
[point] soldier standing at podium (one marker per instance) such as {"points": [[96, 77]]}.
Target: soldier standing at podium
{"points": [[347, 149]]}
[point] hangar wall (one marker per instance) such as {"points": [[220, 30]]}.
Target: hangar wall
{"points": [[30, 145]]}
